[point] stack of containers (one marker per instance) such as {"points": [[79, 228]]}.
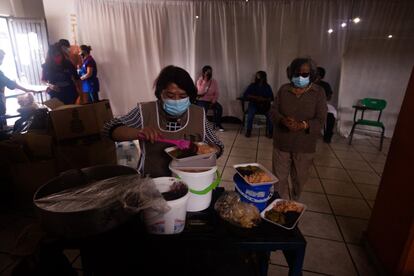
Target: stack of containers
{"points": [[200, 173]]}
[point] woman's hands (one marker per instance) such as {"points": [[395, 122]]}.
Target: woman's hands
{"points": [[294, 125], [150, 134]]}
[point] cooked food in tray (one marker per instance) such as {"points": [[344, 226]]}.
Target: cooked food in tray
{"points": [[254, 174], [204, 149], [284, 212], [287, 206], [195, 149]]}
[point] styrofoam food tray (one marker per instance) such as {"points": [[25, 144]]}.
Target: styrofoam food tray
{"points": [[195, 157], [262, 214], [274, 178]]}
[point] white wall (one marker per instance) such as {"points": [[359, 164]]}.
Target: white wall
{"points": [[58, 19]]}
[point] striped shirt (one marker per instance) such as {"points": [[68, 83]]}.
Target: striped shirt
{"points": [[134, 119]]}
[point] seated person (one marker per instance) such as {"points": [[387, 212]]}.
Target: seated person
{"points": [[260, 95], [331, 116], [208, 94], [171, 116]]}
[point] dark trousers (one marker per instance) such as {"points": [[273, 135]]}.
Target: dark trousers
{"points": [[217, 108], [3, 121], [251, 111], [329, 126]]}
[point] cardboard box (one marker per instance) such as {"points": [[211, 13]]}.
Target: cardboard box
{"points": [[80, 154], [38, 144], [28, 177], [53, 103], [74, 121], [12, 152]]}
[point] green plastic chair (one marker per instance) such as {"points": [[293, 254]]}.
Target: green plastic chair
{"points": [[370, 105]]}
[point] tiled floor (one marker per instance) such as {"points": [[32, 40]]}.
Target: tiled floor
{"points": [[340, 194]]}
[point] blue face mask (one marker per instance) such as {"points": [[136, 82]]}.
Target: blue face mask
{"points": [[300, 81], [176, 107]]}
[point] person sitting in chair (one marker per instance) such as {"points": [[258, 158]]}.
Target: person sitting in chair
{"points": [[260, 95], [208, 94], [330, 118]]}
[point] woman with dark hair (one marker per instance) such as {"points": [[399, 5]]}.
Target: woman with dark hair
{"points": [[298, 114], [60, 76], [260, 95], [171, 116], [88, 74], [208, 94]]}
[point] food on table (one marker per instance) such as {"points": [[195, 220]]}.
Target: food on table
{"points": [[177, 190], [204, 149], [254, 174], [286, 206], [284, 212], [195, 149], [275, 216], [231, 209]]}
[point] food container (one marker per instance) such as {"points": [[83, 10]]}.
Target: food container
{"points": [[84, 223], [273, 178], [258, 195], [291, 223], [169, 151], [172, 222]]}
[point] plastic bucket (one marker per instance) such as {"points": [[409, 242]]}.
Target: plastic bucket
{"points": [[257, 195], [200, 184], [172, 222]]}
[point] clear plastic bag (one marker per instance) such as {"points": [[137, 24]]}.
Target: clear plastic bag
{"points": [[132, 192], [239, 213]]}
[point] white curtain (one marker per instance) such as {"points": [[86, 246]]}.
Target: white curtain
{"points": [[133, 39]]}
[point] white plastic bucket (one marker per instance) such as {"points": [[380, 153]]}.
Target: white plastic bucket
{"points": [[200, 185], [172, 222]]}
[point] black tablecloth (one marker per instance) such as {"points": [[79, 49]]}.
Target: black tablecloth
{"points": [[207, 246]]}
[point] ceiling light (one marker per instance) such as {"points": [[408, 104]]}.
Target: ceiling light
{"points": [[343, 25], [356, 20], [390, 36], [247, 0], [330, 31], [197, 16]]}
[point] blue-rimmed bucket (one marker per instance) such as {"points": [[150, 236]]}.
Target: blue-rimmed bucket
{"points": [[257, 195]]}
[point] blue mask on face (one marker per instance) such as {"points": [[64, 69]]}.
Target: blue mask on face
{"points": [[176, 107], [300, 81]]}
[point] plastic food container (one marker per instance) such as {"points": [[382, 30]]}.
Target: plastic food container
{"points": [[258, 195], [273, 178], [172, 222], [169, 151], [289, 226]]}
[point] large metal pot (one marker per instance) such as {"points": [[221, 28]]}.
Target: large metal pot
{"points": [[82, 223]]}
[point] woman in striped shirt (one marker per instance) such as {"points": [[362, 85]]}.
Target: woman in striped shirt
{"points": [[171, 116]]}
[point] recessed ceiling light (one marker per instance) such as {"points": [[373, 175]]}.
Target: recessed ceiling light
{"points": [[390, 36], [330, 31], [343, 25], [356, 20], [197, 16], [247, 0]]}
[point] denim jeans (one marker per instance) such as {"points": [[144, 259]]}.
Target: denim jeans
{"points": [[251, 111]]}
